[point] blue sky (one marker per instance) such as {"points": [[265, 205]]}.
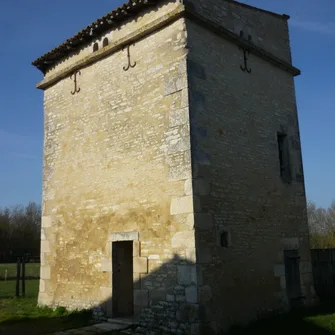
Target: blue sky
{"points": [[28, 29]]}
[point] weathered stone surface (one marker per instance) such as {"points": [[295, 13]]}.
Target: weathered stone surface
{"points": [[140, 264], [306, 267], [136, 248], [42, 285], [187, 275], [279, 270], [283, 282], [44, 299], [188, 187], [141, 298], [201, 186], [106, 292], [46, 221], [180, 144], [42, 234], [290, 243], [205, 293], [184, 240], [166, 154], [182, 205], [45, 246], [191, 294], [179, 172], [156, 296], [190, 221], [179, 117], [203, 221], [170, 298], [173, 85], [128, 236], [196, 69], [45, 272], [204, 255], [106, 265], [191, 255]]}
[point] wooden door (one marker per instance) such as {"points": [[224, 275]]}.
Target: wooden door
{"points": [[123, 304], [292, 271]]}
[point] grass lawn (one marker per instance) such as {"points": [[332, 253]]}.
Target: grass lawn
{"points": [[317, 321], [22, 316], [32, 270]]}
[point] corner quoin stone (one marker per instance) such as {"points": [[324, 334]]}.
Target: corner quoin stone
{"points": [[45, 272], [140, 264], [182, 205]]}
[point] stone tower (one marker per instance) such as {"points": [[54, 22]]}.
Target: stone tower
{"points": [[173, 187]]}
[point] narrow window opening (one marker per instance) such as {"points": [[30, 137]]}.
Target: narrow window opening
{"points": [[283, 152], [105, 42], [95, 47], [241, 33], [224, 239]]}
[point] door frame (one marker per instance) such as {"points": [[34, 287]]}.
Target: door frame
{"points": [[115, 245], [140, 267]]}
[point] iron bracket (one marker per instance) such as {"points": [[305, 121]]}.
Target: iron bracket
{"points": [[76, 88], [246, 54], [126, 68]]}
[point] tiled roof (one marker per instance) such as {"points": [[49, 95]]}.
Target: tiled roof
{"points": [[110, 20]]}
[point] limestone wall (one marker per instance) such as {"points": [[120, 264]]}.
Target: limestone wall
{"points": [[117, 160], [115, 34], [238, 191]]}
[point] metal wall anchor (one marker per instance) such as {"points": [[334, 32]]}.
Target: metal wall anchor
{"points": [[126, 68], [246, 53], [76, 88]]}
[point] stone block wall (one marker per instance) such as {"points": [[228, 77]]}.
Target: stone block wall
{"points": [[179, 155], [145, 19], [239, 195], [117, 166], [270, 32]]}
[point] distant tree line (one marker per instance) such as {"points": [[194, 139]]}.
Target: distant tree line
{"points": [[20, 232], [321, 222]]}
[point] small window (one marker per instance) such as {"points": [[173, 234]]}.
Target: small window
{"points": [[284, 157], [241, 33], [224, 239], [95, 47], [105, 42]]}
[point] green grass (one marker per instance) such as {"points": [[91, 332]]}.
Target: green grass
{"points": [[22, 316], [32, 270], [314, 321]]}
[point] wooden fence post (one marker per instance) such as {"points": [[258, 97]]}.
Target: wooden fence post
{"points": [[23, 277], [18, 270]]}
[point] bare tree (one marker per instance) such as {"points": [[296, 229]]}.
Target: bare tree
{"points": [[20, 231], [321, 223]]}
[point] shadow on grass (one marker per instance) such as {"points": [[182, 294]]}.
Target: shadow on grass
{"points": [[45, 324], [22, 316], [319, 320]]}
